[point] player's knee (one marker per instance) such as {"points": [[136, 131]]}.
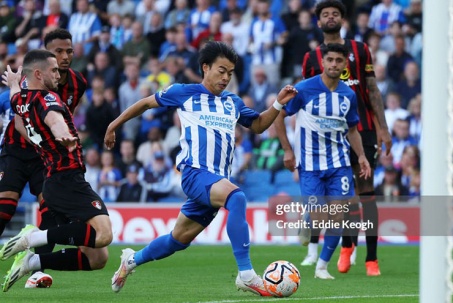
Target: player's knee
{"points": [[98, 260], [103, 237], [236, 200]]}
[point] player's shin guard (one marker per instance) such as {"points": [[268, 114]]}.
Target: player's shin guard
{"points": [[69, 259], [238, 229], [159, 248], [77, 234], [331, 240], [370, 212], [350, 235], [7, 210]]}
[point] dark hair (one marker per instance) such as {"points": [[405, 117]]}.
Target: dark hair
{"points": [[58, 33], [213, 50], [36, 56], [336, 48], [330, 3]]}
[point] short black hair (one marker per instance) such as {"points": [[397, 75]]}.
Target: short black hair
{"points": [[330, 3], [213, 50], [336, 48], [36, 56], [59, 33]]}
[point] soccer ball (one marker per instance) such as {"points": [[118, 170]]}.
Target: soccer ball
{"points": [[281, 278]]}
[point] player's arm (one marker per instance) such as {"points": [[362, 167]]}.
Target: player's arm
{"points": [[289, 160], [356, 143], [132, 111], [266, 118], [60, 130], [19, 126]]}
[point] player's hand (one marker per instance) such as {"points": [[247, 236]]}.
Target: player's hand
{"points": [[289, 160], [109, 139], [365, 169], [10, 77], [69, 142], [286, 93], [384, 137]]}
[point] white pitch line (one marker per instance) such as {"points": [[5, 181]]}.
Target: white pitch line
{"points": [[314, 298]]}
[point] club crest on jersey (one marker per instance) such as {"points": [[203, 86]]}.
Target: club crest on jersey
{"points": [[351, 57], [24, 84], [164, 90], [228, 105], [69, 102], [344, 107], [50, 98], [1, 175], [97, 204]]}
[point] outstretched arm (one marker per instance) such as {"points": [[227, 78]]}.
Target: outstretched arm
{"points": [[266, 118], [132, 111], [60, 130], [289, 160]]}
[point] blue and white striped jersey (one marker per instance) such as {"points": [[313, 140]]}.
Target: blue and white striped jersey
{"points": [[5, 112], [322, 122], [207, 125]]}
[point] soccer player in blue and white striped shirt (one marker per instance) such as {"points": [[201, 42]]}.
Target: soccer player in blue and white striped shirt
{"points": [[326, 129], [208, 117]]}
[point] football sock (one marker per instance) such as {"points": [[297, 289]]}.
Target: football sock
{"points": [[68, 259], [7, 210], [159, 248], [47, 221], [321, 264], [247, 275], [350, 234], [238, 228], [77, 233], [313, 249], [331, 239], [370, 212]]}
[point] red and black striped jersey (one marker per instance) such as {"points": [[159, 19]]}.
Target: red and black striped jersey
{"points": [[360, 66], [70, 93], [33, 106]]}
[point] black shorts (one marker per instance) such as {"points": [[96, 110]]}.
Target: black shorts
{"points": [[369, 142], [15, 173], [68, 194]]}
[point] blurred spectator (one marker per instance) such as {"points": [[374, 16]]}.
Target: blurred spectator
{"points": [[121, 7], [377, 55], [84, 25], [65, 7], [228, 6], [397, 60], [411, 85], [391, 188], [128, 94], [303, 38], [360, 30], [7, 23], [93, 167], [127, 156], [410, 161], [400, 139], [384, 84], [174, 66], [212, 33], [242, 156], [269, 155], [131, 188], [259, 90], [383, 162], [55, 16], [182, 49], [156, 33], [79, 59], [104, 68], [180, 14], [145, 149], [171, 140], [109, 177], [199, 19], [393, 110], [117, 32], [111, 97], [98, 117], [137, 50], [149, 116], [415, 184], [387, 43], [104, 45], [144, 6], [415, 118], [267, 34], [169, 44], [28, 28], [414, 18], [157, 75], [291, 17], [240, 31], [383, 14], [99, 7], [157, 176]]}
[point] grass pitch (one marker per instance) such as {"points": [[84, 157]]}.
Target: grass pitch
{"points": [[207, 274]]}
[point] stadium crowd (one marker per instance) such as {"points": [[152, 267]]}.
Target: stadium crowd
{"points": [[129, 49]]}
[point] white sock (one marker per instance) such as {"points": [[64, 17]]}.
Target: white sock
{"points": [[37, 238], [247, 275], [34, 263], [313, 249], [321, 264]]}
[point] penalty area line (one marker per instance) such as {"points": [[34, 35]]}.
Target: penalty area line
{"points": [[315, 298]]}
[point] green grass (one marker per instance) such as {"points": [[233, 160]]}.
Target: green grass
{"points": [[207, 274]]}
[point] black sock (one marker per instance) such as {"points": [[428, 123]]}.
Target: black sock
{"points": [[370, 212], [315, 235], [7, 210], [69, 259], [77, 234], [351, 235]]}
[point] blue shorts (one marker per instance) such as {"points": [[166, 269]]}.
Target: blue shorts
{"points": [[196, 184], [326, 185]]}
